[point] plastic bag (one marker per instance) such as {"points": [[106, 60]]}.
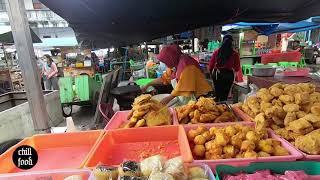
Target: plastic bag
{"points": [[152, 164], [199, 171], [175, 168], [254, 89], [161, 176]]}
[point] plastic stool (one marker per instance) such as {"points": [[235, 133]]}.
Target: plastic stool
{"points": [[283, 64], [293, 64], [246, 68], [302, 63], [98, 77]]}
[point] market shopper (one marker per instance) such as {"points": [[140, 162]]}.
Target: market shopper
{"points": [[183, 73], [51, 74], [224, 64]]}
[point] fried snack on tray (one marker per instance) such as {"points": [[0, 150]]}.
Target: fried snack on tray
{"points": [[309, 143], [205, 110], [147, 112], [292, 112], [237, 141]]}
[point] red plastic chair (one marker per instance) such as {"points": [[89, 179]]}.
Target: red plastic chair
{"points": [[106, 111]]}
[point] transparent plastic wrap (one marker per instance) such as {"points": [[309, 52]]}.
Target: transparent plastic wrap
{"points": [[199, 172], [152, 164], [102, 172], [253, 91], [175, 168]]}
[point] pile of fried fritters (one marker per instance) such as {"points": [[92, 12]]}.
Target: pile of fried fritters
{"points": [[238, 141], [148, 112], [205, 110], [292, 110]]}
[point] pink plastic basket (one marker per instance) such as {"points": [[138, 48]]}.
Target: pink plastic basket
{"points": [[52, 174], [294, 154], [120, 117], [306, 157]]}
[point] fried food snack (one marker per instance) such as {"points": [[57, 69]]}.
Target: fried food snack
{"points": [[309, 143], [275, 91], [300, 126], [205, 110], [286, 99], [148, 112], [291, 107], [237, 141], [315, 110]]}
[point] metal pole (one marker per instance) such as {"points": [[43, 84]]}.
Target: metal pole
{"points": [[23, 42]]}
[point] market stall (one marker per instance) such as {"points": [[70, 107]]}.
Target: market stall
{"points": [[194, 141]]}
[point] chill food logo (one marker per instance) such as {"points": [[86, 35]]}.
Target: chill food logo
{"points": [[25, 157]]}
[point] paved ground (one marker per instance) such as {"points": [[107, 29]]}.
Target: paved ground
{"points": [[82, 117]]}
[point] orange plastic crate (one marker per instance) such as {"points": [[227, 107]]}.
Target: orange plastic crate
{"points": [[138, 143], [55, 151]]}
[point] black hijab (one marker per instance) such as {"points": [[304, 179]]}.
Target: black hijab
{"points": [[225, 51]]}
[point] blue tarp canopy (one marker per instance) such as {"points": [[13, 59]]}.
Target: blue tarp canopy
{"points": [[271, 28]]}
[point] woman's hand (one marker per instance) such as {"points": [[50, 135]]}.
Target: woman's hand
{"points": [[166, 100]]}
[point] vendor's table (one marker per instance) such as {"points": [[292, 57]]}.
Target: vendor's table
{"points": [[266, 82]]}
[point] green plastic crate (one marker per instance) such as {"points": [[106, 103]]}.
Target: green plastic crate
{"points": [[309, 167], [66, 92]]}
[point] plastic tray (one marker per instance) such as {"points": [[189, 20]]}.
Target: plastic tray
{"points": [[311, 168], [238, 112], [47, 175], [120, 117], [55, 151], [294, 154], [139, 143], [306, 157], [299, 72]]}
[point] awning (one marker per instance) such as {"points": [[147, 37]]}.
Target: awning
{"points": [[104, 23], [271, 28], [7, 38], [57, 42]]}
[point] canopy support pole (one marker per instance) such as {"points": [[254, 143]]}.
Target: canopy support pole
{"points": [[27, 61]]}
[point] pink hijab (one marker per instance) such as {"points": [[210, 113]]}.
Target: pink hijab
{"points": [[172, 57]]}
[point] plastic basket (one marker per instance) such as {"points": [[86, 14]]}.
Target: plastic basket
{"points": [[294, 154], [55, 151], [299, 72], [238, 112], [120, 117], [311, 168], [306, 157], [137, 144], [46, 175]]}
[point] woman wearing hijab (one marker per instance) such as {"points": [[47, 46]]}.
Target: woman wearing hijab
{"points": [[183, 73], [224, 63]]}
